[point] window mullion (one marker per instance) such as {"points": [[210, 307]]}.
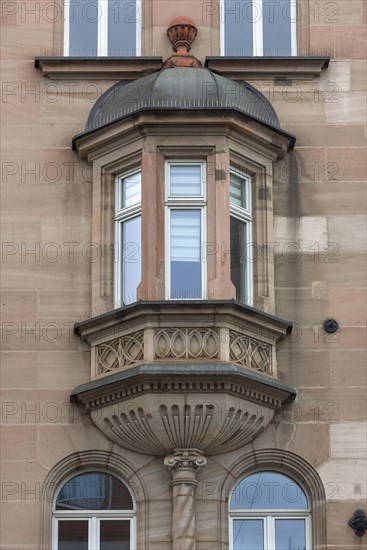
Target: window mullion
{"points": [[93, 543], [257, 18], [293, 23], [222, 27], [270, 533], [249, 265], [133, 534], [139, 23], [103, 28], [66, 27]]}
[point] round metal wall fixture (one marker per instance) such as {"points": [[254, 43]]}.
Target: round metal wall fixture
{"points": [[358, 523], [331, 326]]}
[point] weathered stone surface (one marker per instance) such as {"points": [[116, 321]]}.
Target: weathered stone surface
{"points": [[345, 480], [348, 440], [318, 196], [18, 370]]}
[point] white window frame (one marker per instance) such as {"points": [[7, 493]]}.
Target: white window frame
{"points": [[102, 47], [185, 203], [93, 516], [257, 26], [245, 215], [122, 215], [269, 517]]}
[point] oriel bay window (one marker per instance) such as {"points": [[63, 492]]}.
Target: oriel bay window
{"points": [[185, 230], [241, 236], [102, 28], [127, 237]]}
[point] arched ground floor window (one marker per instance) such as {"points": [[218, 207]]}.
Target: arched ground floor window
{"points": [[93, 500], [269, 511], [94, 511], [274, 500]]}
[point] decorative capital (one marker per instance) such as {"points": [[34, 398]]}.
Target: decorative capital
{"points": [[358, 523], [185, 459]]}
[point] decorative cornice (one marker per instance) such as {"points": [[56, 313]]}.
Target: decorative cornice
{"points": [[271, 142], [97, 68], [268, 68], [203, 378], [264, 322], [153, 409]]}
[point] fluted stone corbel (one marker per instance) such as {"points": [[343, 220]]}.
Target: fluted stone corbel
{"points": [[183, 464]]}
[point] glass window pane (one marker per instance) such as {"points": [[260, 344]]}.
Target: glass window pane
{"points": [[94, 491], [238, 191], [83, 19], [238, 17], [185, 181], [277, 27], [114, 535], [131, 258], [131, 190], [248, 534], [268, 490], [185, 248], [290, 534], [122, 22], [238, 257], [73, 535]]}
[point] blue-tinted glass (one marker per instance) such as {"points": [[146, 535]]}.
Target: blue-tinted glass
{"points": [[268, 490], [185, 181], [94, 491], [122, 22], [114, 535], [131, 258], [277, 27], [238, 17], [131, 190], [73, 535], [83, 17], [290, 534], [248, 534], [186, 254]]}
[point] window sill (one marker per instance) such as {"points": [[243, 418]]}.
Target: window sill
{"points": [[94, 68], [268, 68]]}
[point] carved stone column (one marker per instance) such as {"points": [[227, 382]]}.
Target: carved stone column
{"points": [[184, 464]]}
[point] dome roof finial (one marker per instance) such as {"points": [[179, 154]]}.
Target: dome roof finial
{"points": [[182, 32]]}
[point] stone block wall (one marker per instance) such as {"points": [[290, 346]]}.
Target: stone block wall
{"points": [[47, 255]]}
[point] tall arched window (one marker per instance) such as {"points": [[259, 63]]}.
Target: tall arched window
{"points": [[269, 511], [94, 511]]}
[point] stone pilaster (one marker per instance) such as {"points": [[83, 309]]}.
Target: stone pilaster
{"points": [[184, 464]]}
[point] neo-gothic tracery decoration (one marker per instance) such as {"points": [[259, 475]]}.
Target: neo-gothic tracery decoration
{"points": [[119, 353], [186, 343], [250, 353]]}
